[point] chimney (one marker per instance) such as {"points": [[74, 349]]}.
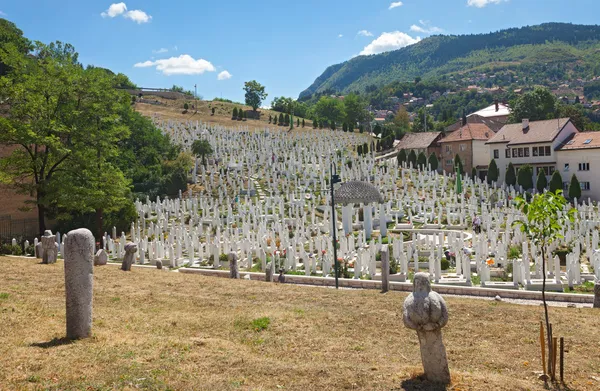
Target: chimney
{"points": [[497, 107], [525, 124]]}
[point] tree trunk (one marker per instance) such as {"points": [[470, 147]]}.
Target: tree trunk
{"points": [[549, 365], [99, 224], [41, 214]]}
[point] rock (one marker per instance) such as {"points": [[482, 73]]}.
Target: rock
{"points": [[426, 312], [39, 251], [49, 248], [498, 298], [101, 258], [159, 264], [233, 266], [79, 282], [281, 278], [130, 250], [597, 294]]}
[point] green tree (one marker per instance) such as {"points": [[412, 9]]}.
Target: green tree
{"points": [[541, 182], [202, 148], [303, 123], [419, 122], [213, 111], [493, 172], [234, 114], [186, 106], [525, 177], [329, 109], [255, 94], [11, 35], [458, 163], [63, 122], [433, 162], [473, 173], [422, 161], [574, 188], [355, 110], [298, 122], [281, 119], [359, 150], [412, 159], [344, 127], [511, 175], [270, 118], [287, 120], [402, 120], [402, 158], [535, 105], [556, 182], [543, 225]]}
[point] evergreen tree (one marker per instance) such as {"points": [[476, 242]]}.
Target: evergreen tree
{"points": [[281, 119], [412, 159], [234, 115], [458, 163], [493, 172], [240, 114], [511, 176], [556, 182], [361, 129], [541, 182], [473, 173], [344, 127], [213, 111], [315, 124], [359, 150], [577, 99], [365, 148], [525, 177], [298, 122], [433, 162], [401, 157], [287, 120], [270, 118], [422, 161], [303, 123], [574, 188]]}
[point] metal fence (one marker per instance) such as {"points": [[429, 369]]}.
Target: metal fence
{"points": [[20, 229]]}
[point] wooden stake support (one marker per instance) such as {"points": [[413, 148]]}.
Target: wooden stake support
{"points": [[554, 355], [562, 359], [543, 346]]}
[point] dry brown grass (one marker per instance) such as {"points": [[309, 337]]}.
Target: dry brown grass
{"points": [[158, 330]]}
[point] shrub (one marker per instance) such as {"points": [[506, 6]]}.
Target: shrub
{"points": [[186, 106], [445, 264], [223, 258]]}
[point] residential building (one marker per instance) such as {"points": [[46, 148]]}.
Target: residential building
{"points": [[468, 142], [426, 142], [531, 143], [580, 155]]}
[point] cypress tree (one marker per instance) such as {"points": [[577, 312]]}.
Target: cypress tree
{"points": [[287, 120], [240, 114], [574, 188], [303, 123], [270, 118], [433, 162], [525, 177], [412, 159], [422, 161], [280, 119], [365, 148], [556, 182], [344, 127], [401, 157], [493, 172], [511, 177], [234, 114], [361, 129], [458, 163], [359, 150], [473, 173], [298, 122], [541, 182]]}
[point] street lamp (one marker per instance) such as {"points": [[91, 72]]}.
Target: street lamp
{"points": [[335, 178]]}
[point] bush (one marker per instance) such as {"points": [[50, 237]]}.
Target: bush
{"points": [[223, 258], [9, 249], [445, 264]]}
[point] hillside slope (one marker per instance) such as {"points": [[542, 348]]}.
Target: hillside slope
{"points": [[552, 49]]}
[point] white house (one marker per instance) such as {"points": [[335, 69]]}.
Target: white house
{"points": [[580, 155], [532, 143]]}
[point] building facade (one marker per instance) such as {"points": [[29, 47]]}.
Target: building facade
{"points": [[468, 142], [580, 155]]}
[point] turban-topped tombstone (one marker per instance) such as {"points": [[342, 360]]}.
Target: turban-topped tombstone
{"points": [[356, 192], [426, 312]]}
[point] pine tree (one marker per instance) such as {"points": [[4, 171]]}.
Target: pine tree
{"points": [[240, 114], [298, 122], [303, 123], [473, 173], [422, 161], [234, 115], [287, 120], [402, 157], [412, 159], [493, 172], [574, 188], [359, 150], [281, 119], [458, 163], [344, 127], [556, 182], [541, 182], [270, 118], [511, 177], [433, 162], [525, 177]]}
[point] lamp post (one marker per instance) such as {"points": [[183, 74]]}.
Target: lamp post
{"points": [[335, 178]]}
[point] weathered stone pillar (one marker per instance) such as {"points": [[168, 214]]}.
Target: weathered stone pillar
{"points": [[597, 294], [49, 248], [130, 250], [79, 282], [101, 258], [426, 312], [385, 268], [269, 272], [233, 266]]}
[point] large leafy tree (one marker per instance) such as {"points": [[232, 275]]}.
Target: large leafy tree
{"points": [[329, 109], [543, 225], [64, 128], [511, 176], [202, 148], [355, 110], [419, 122], [13, 36], [535, 105], [255, 94]]}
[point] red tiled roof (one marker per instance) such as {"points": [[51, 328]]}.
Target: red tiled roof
{"points": [[538, 132], [417, 140], [583, 140], [469, 132]]}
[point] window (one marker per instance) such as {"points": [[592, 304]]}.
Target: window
{"points": [[520, 152], [526, 150], [566, 167], [547, 170], [584, 185], [584, 166], [535, 151], [514, 152], [589, 140], [449, 162], [548, 152], [463, 147], [448, 148], [496, 153], [507, 153]]}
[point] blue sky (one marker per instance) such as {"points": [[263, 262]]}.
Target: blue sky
{"points": [[284, 45]]}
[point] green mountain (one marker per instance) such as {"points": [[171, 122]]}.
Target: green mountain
{"points": [[549, 51]]}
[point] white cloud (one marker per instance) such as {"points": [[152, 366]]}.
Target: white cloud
{"points": [[483, 3], [160, 51], [138, 16], [117, 9], [365, 33], [396, 5], [340, 36], [3, 13], [425, 28], [182, 65], [389, 41], [224, 76]]}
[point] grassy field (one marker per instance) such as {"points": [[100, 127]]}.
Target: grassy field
{"points": [[167, 331], [173, 109]]}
